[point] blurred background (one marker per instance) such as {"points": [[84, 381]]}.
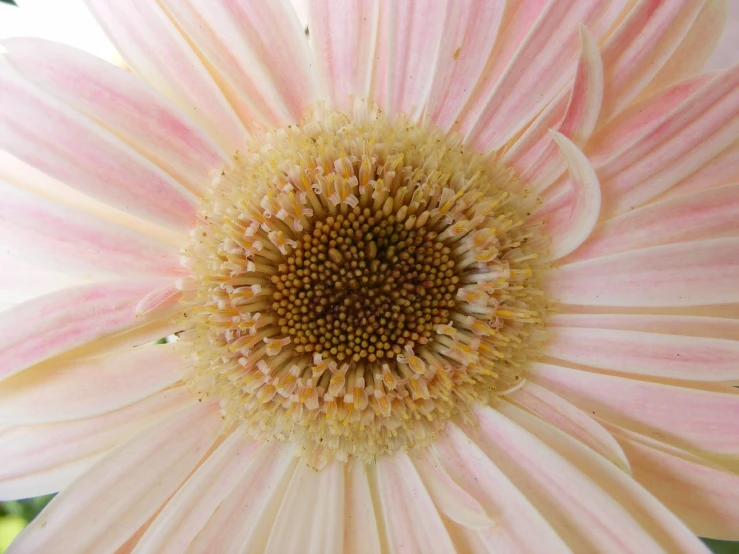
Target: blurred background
{"points": [[69, 22]]}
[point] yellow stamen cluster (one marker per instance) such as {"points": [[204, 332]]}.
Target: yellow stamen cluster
{"points": [[357, 282]]}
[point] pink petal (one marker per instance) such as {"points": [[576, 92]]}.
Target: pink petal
{"points": [[311, 518], [686, 417], [571, 420], [535, 154], [685, 325], [361, 535], [652, 516], [542, 66], [343, 37], [571, 217], [720, 170], [60, 321], [470, 29], [701, 215], [409, 39], [21, 280], [412, 522], [257, 51], [704, 495], [684, 274], [61, 390], [139, 476], [57, 140], [122, 104], [35, 451], [71, 241], [585, 516], [187, 512], [699, 129], [640, 46], [154, 49], [646, 354], [520, 527], [243, 520]]}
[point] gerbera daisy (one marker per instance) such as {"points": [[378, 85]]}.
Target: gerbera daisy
{"points": [[442, 277]]}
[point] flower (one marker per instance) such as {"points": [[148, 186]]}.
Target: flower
{"points": [[456, 277]]}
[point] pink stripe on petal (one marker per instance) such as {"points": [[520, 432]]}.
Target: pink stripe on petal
{"points": [[646, 354], [720, 170], [702, 215], [469, 35], [74, 242], [685, 417], [571, 218], [412, 522], [47, 326], [123, 105], [39, 449], [361, 535], [653, 517], [140, 475], [256, 51], [694, 273], [343, 37], [61, 390], [50, 136], [154, 49], [571, 420], [704, 495]]}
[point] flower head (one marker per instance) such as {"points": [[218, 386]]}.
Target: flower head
{"points": [[450, 277]]}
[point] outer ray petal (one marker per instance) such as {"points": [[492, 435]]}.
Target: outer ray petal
{"points": [[652, 516], [100, 511], [704, 495], [123, 105], [361, 535], [685, 417], [61, 142], [74, 242], [187, 512], [470, 28], [155, 50], [343, 37], [311, 517], [21, 280], [571, 420], [412, 522], [256, 51], [694, 273], [720, 170], [61, 390], [47, 326], [35, 451]]}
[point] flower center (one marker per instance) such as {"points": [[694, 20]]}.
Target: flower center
{"points": [[357, 282]]}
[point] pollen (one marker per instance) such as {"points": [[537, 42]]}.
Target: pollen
{"points": [[357, 281]]}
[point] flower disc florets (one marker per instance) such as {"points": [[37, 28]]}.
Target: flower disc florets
{"points": [[358, 281]]}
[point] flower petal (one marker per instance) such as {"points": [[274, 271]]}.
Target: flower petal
{"points": [[61, 390], [704, 495], [685, 417], [21, 280], [470, 28], [343, 37], [74, 242], [571, 420], [44, 327], [361, 535], [720, 170], [701, 215], [187, 512], [65, 144], [646, 354], [35, 451], [123, 105], [412, 522], [652, 516], [140, 475], [311, 517], [694, 273], [258, 50], [155, 50]]}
